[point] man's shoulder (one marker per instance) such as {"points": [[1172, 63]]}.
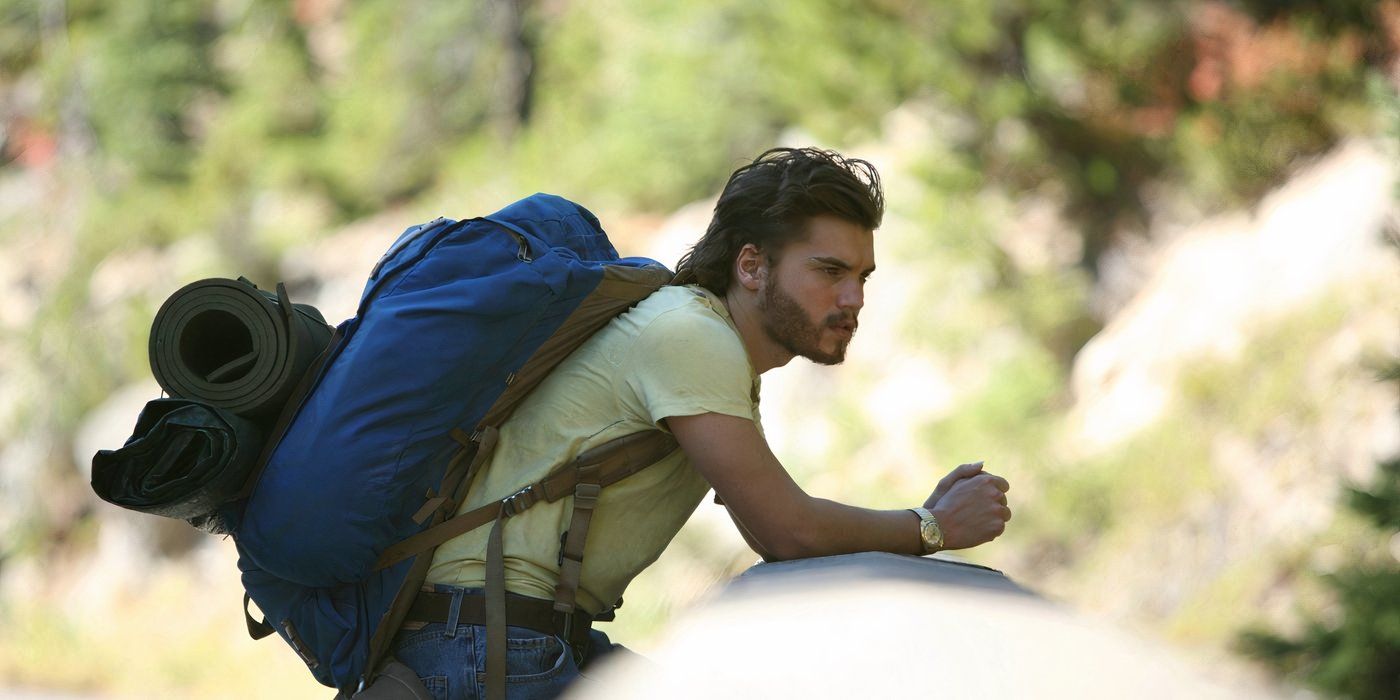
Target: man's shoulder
{"points": [[680, 309], [684, 298], [685, 357]]}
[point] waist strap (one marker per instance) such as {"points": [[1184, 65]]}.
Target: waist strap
{"points": [[521, 611]]}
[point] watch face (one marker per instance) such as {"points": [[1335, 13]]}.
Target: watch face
{"points": [[933, 537]]}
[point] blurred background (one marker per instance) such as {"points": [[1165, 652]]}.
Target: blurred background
{"points": [[1141, 257]]}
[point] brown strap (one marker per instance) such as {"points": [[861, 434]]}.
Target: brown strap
{"points": [[486, 438], [571, 555], [496, 609], [610, 462], [622, 286], [631, 288], [452, 527], [616, 460], [521, 611], [438, 534], [627, 455], [431, 506], [455, 478], [389, 624]]}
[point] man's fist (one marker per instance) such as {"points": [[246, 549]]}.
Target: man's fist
{"points": [[970, 506], [963, 471]]}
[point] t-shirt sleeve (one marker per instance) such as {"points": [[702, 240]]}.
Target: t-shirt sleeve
{"points": [[684, 363]]}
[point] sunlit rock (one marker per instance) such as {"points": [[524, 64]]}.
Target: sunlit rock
{"points": [[1210, 286]]}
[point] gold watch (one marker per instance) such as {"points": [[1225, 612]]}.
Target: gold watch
{"points": [[929, 531]]}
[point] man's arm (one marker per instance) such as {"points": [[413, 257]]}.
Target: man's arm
{"points": [[754, 544], [782, 522]]}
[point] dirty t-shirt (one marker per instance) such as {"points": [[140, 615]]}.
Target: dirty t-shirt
{"points": [[677, 353]]}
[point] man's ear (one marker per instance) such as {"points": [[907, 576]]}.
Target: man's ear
{"points": [[751, 268]]}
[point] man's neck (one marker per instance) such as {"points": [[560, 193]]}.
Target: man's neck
{"points": [[764, 354]]}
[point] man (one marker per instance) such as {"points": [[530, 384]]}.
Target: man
{"points": [[780, 272]]}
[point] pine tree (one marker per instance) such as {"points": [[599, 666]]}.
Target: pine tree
{"points": [[1357, 654]]}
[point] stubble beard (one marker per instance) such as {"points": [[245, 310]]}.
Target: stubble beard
{"points": [[786, 324]]}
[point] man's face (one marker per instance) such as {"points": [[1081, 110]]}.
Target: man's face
{"points": [[815, 290]]}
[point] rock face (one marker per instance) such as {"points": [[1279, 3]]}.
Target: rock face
{"points": [[1211, 285]]}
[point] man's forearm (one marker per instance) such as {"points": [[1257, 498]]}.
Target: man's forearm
{"points": [[830, 528]]}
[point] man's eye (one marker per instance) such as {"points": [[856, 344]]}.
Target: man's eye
{"points": [[832, 271]]}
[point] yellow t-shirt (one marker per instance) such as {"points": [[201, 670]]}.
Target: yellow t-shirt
{"points": [[677, 353]]}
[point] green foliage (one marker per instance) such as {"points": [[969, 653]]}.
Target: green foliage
{"points": [[417, 81], [1355, 657], [150, 72], [1352, 650], [1356, 652], [1009, 414], [645, 104], [1380, 505], [19, 37]]}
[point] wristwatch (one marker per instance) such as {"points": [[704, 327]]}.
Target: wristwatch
{"points": [[929, 531]]}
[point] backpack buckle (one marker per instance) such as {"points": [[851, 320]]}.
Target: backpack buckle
{"points": [[521, 500]]}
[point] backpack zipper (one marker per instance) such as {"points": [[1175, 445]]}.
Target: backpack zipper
{"points": [[523, 252]]}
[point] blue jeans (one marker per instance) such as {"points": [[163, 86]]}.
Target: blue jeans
{"points": [[452, 662]]}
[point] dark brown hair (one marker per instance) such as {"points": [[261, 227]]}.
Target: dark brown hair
{"points": [[769, 202]]}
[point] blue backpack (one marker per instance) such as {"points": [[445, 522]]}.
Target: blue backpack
{"points": [[458, 322]]}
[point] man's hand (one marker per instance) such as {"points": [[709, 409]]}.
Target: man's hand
{"points": [[970, 506], [963, 471]]}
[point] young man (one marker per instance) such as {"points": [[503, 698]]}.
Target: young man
{"points": [[780, 272]]}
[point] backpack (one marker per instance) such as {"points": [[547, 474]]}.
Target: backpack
{"points": [[369, 460]]}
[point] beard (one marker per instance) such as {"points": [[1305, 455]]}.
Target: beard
{"points": [[786, 324]]}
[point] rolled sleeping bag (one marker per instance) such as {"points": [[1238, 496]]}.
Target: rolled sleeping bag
{"points": [[229, 344], [185, 459]]}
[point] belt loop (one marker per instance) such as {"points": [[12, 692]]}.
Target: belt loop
{"points": [[454, 612]]}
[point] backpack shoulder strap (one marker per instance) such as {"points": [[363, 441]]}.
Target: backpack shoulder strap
{"points": [[621, 287]]}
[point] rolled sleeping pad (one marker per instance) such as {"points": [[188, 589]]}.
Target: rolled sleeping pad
{"points": [[185, 459], [229, 344]]}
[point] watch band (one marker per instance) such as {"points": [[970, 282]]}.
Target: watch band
{"points": [[930, 532]]}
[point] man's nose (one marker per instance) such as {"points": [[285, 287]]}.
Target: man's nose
{"points": [[852, 296]]}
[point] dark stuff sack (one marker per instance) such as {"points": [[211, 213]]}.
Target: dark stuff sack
{"points": [[185, 459]]}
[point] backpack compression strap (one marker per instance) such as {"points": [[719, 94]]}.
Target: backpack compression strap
{"points": [[614, 461], [582, 478], [589, 473]]}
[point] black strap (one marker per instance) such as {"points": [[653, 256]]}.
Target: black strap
{"points": [[289, 411]]}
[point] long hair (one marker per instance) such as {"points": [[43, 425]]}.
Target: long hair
{"points": [[769, 202]]}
